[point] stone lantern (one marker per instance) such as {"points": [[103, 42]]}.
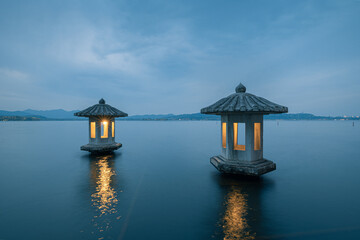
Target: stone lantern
{"points": [[101, 127], [242, 132]]}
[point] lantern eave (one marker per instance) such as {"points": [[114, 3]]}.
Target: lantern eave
{"points": [[101, 110], [243, 102]]}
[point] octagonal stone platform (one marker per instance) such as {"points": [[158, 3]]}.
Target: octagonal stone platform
{"points": [[101, 148], [246, 168]]}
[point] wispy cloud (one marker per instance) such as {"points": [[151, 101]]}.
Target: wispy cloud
{"points": [[158, 57]]}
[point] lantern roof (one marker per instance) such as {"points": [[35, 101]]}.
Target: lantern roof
{"points": [[101, 109], [242, 102]]}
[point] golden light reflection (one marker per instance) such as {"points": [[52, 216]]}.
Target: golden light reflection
{"points": [[235, 224], [104, 197]]}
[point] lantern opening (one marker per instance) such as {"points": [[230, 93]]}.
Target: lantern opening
{"points": [[113, 128], [93, 130], [257, 136], [239, 142], [104, 129], [223, 131]]}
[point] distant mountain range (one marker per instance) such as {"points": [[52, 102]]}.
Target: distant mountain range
{"points": [[199, 116], [172, 117], [60, 114], [51, 114]]}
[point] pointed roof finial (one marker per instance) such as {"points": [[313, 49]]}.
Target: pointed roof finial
{"points": [[102, 101], [240, 88]]}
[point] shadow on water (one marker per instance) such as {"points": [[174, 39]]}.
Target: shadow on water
{"points": [[240, 217], [104, 192]]}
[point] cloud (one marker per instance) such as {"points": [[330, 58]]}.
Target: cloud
{"points": [[120, 51], [13, 75], [178, 57]]}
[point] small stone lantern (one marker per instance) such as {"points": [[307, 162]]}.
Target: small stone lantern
{"points": [[242, 132], [101, 127]]}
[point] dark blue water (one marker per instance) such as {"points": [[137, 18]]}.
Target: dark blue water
{"points": [[160, 185]]}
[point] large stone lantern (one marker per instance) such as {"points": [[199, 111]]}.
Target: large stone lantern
{"points": [[242, 132], [101, 127]]}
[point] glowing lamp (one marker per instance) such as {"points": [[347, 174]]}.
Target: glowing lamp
{"points": [[242, 132], [101, 123]]}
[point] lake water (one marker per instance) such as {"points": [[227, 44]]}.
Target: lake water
{"points": [[161, 185]]}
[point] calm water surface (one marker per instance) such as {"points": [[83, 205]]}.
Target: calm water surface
{"points": [[160, 185]]}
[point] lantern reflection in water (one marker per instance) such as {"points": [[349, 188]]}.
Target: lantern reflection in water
{"points": [[234, 222], [104, 197]]}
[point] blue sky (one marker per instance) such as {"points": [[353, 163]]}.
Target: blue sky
{"points": [[179, 56]]}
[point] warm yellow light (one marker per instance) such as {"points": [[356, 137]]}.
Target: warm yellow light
{"points": [[235, 224], [105, 196], [92, 129], [224, 135], [104, 129], [113, 129], [236, 145], [257, 136]]}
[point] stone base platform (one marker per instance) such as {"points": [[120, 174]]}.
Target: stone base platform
{"points": [[101, 148], [245, 168]]}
